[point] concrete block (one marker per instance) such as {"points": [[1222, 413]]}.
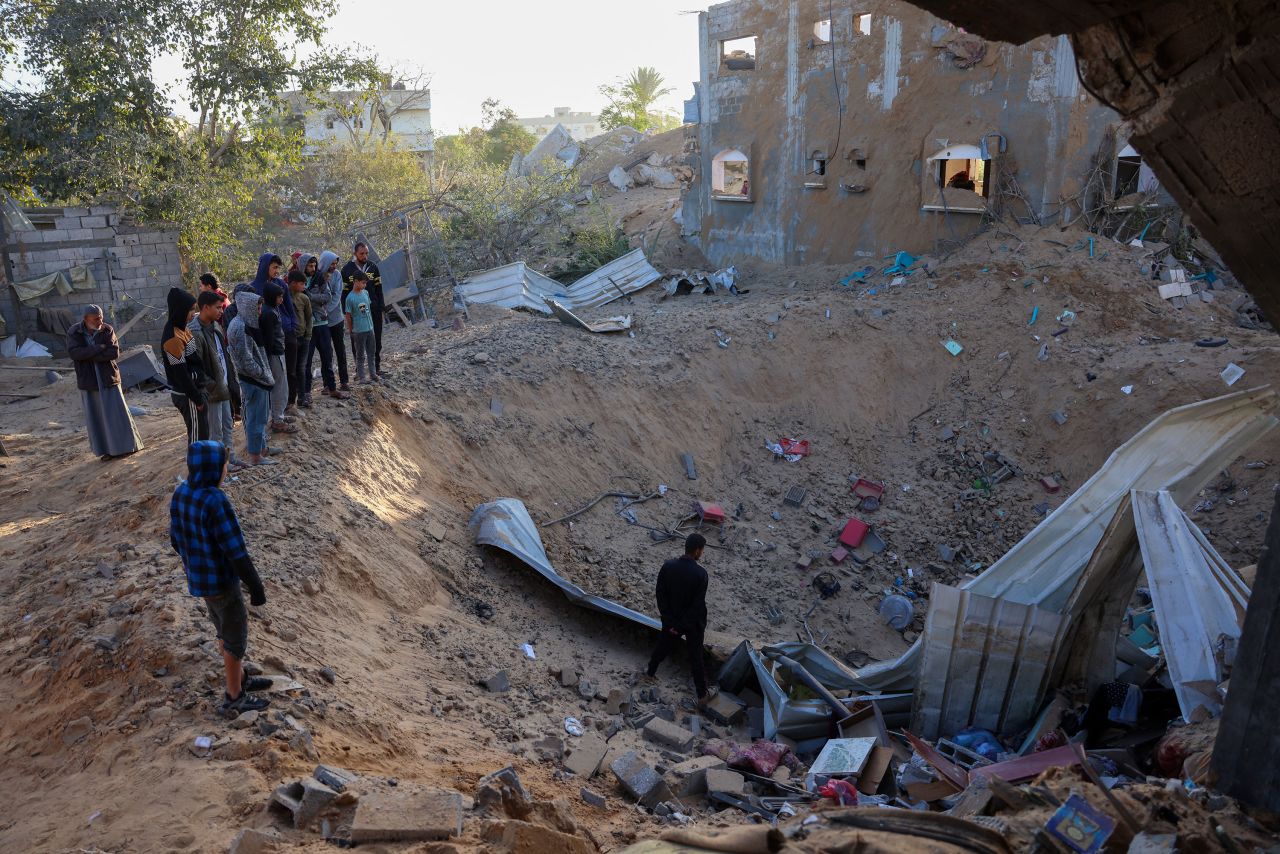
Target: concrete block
{"points": [[585, 757], [101, 210], [521, 837], [724, 780], [250, 841], [639, 780], [618, 702], [76, 211], [132, 262], [669, 734], [304, 799], [66, 222], [594, 799], [93, 222], [498, 683], [407, 816], [568, 677], [127, 240], [334, 777], [80, 234], [725, 708], [690, 776], [104, 233]]}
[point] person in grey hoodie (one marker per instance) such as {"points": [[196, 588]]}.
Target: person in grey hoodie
{"points": [[325, 290], [249, 355], [337, 322]]}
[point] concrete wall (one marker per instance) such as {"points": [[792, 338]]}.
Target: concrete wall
{"points": [[904, 99], [133, 267]]}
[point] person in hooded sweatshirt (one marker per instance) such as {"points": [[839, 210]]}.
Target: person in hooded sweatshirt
{"points": [[204, 531], [272, 324], [249, 356], [325, 290], [337, 320], [182, 366]]}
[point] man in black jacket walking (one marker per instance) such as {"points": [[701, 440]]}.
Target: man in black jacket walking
{"points": [[362, 264], [682, 604]]}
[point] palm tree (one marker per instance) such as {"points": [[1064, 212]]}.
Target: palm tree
{"points": [[645, 87], [631, 100]]}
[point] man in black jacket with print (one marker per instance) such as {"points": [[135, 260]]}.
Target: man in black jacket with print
{"points": [[362, 263]]}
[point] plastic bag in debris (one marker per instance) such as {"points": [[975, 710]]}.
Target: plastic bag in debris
{"points": [[979, 741], [777, 451], [763, 757], [840, 791]]}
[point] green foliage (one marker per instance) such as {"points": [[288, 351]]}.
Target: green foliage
{"points": [[498, 139], [86, 121], [631, 101], [341, 187], [598, 240]]}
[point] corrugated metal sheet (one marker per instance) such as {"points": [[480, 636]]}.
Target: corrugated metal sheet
{"points": [[519, 286], [511, 286], [986, 663], [1180, 451], [1197, 598], [505, 524], [619, 277]]}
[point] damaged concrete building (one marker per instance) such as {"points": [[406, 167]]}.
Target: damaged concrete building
{"points": [[830, 132]]}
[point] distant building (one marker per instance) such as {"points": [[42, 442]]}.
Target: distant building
{"points": [[358, 119], [579, 125]]}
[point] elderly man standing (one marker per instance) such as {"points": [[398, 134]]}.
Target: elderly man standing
{"points": [[93, 347]]}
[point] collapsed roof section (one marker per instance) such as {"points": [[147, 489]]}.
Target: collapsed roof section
{"points": [[520, 286]]}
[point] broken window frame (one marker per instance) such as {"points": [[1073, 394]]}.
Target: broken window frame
{"points": [[724, 54], [935, 177], [727, 155], [818, 37]]}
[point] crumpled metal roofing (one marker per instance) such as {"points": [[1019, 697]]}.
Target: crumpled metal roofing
{"points": [[520, 286], [505, 524]]}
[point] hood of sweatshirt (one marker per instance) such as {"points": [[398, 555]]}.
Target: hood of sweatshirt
{"points": [[180, 304], [304, 259], [326, 258], [247, 308], [204, 463], [271, 294], [264, 265]]}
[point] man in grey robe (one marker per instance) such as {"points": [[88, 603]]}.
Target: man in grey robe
{"points": [[93, 346]]}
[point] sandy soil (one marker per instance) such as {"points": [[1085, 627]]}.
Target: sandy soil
{"points": [[95, 621]]}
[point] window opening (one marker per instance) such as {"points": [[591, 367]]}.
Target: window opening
{"points": [[818, 163], [964, 174], [958, 168], [858, 157], [738, 54], [730, 175], [822, 32], [1132, 174], [862, 24]]}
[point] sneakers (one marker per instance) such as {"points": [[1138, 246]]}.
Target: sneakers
{"points": [[244, 703], [255, 683], [291, 409]]}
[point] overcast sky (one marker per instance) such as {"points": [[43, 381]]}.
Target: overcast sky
{"points": [[532, 56]]}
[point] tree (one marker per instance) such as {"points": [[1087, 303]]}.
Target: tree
{"points": [[367, 115], [342, 186], [631, 101], [86, 121], [498, 139]]}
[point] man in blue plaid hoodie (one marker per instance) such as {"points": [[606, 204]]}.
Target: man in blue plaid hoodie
{"points": [[205, 532]]}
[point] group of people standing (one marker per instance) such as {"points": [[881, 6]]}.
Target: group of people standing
{"points": [[249, 355]]}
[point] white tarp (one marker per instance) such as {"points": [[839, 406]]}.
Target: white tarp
{"points": [[1180, 451], [1196, 597], [520, 286]]}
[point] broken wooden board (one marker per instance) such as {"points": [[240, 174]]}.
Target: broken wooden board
{"points": [[567, 317]]}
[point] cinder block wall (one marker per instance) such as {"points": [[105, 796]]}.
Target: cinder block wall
{"points": [[134, 267]]}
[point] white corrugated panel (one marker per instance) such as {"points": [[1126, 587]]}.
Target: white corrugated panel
{"points": [[986, 663], [511, 286], [619, 277]]}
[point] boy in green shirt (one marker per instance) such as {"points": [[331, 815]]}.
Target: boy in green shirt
{"points": [[302, 309]]}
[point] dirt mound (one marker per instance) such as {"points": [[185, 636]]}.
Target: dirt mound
{"points": [[372, 574]]}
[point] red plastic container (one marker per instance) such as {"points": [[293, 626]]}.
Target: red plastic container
{"points": [[855, 531]]}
